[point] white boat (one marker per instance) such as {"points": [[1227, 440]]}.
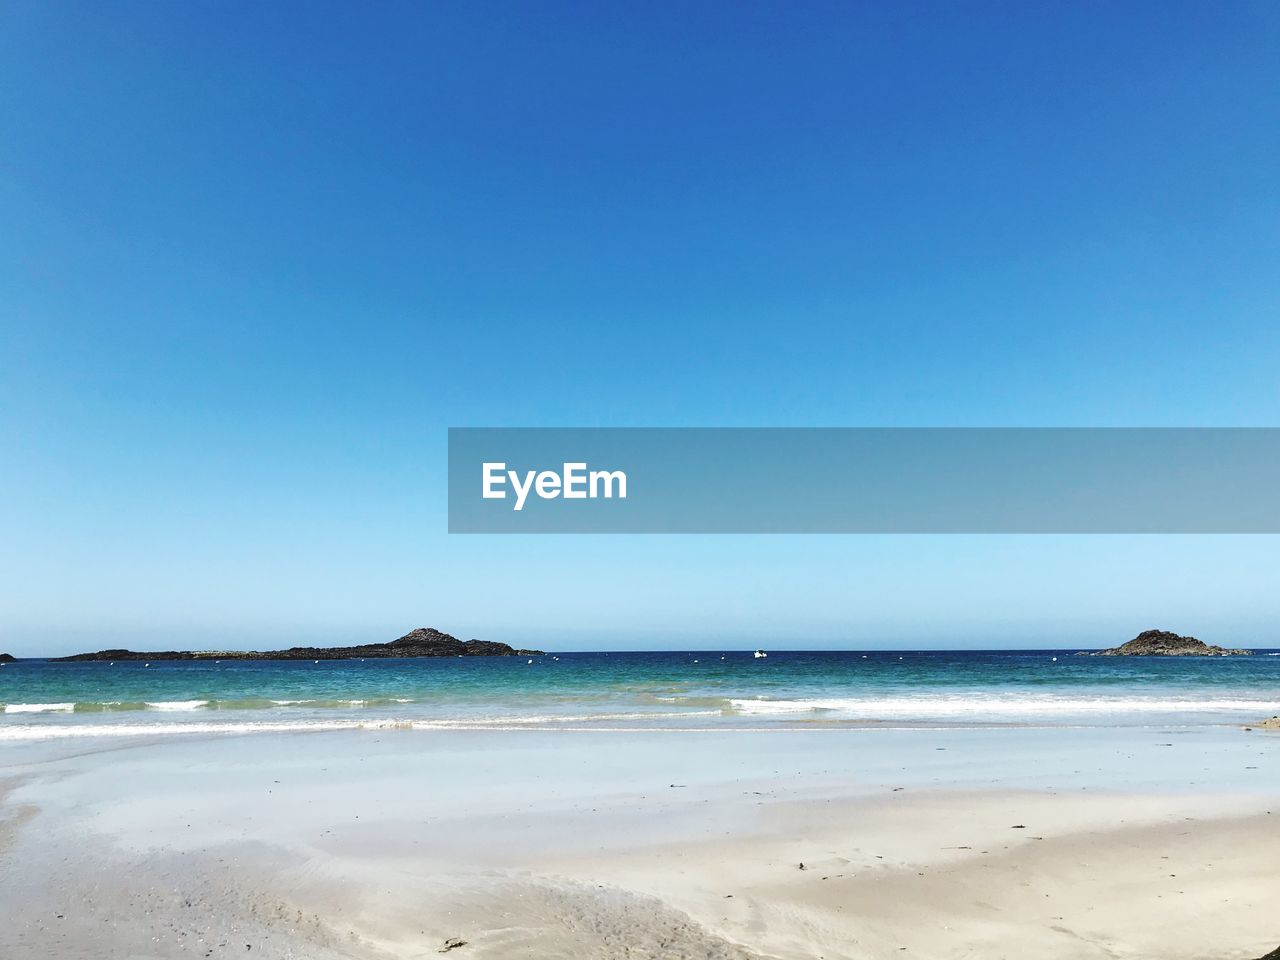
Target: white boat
{"points": [[760, 654]]}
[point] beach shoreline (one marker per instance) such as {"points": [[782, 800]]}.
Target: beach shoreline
{"points": [[372, 845]]}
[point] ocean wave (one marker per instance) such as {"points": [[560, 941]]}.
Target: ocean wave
{"points": [[927, 707], [320, 702], [246, 703], [39, 707], [176, 704], [554, 718], [111, 706], [157, 728], [686, 700]]}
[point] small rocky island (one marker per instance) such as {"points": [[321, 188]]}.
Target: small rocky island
{"points": [[1163, 643], [7, 658], [423, 642]]}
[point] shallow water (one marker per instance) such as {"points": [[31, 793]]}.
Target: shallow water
{"points": [[673, 690]]}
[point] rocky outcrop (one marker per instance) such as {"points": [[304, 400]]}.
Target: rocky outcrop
{"points": [[1162, 643], [7, 658], [423, 642], [1272, 724]]}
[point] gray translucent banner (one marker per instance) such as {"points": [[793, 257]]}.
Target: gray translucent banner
{"points": [[715, 480]]}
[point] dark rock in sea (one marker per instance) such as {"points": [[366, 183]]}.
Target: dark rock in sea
{"points": [[423, 642], [7, 658], [1162, 643]]}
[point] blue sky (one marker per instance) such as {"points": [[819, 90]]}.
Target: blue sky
{"points": [[256, 258]]}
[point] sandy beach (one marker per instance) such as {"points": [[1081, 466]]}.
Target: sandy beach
{"points": [[1055, 843]]}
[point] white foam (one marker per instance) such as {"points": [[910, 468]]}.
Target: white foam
{"points": [[544, 719], [318, 702], [39, 707], [156, 728], [978, 705], [177, 704]]}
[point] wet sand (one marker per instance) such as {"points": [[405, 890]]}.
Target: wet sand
{"points": [[1140, 843]]}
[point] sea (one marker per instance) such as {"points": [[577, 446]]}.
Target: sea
{"points": [[677, 691]]}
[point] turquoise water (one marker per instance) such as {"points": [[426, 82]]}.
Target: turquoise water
{"points": [[697, 690]]}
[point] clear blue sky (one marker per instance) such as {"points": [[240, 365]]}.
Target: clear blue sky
{"points": [[256, 258]]}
